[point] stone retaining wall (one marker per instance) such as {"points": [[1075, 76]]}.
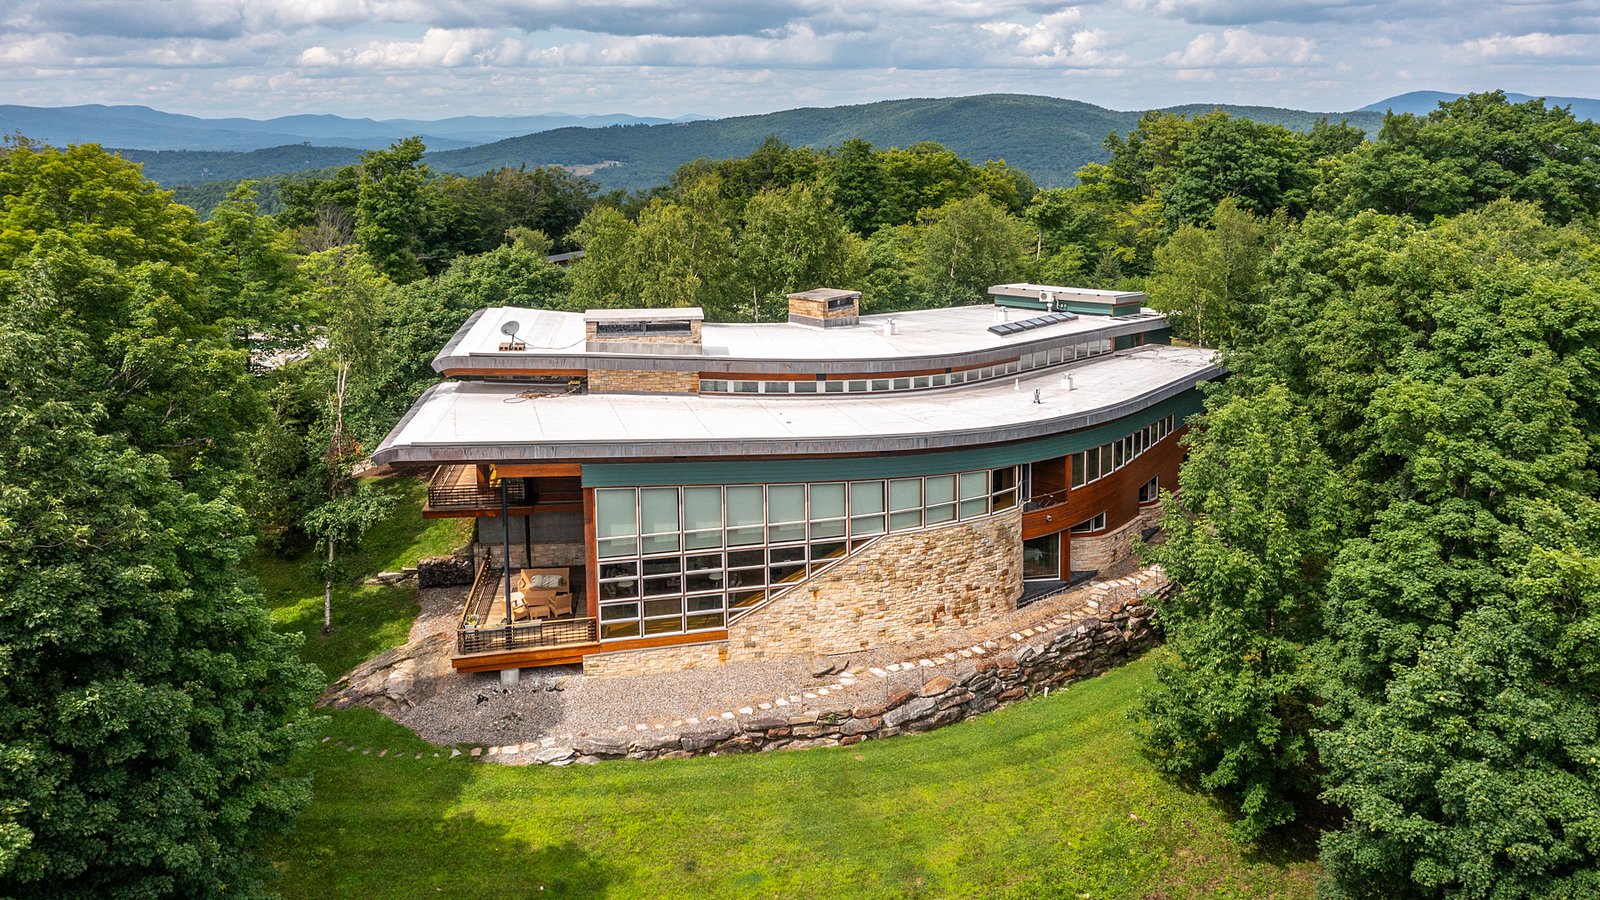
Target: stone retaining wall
{"points": [[445, 571], [1113, 630]]}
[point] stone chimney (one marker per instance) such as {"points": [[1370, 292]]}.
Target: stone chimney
{"points": [[825, 308]]}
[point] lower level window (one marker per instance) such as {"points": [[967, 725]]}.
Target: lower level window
{"points": [[1041, 557], [1150, 491], [1098, 523]]}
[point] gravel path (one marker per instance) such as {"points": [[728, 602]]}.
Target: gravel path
{"points": [[559, 705]]}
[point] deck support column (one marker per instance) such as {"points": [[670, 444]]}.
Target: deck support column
{"points": [[505, 531], [527, 539]]}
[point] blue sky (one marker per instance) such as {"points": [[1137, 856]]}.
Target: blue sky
{"points": [[435, 58]]}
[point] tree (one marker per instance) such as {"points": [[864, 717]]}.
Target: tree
{"points": [[1249, 542], [251, 282], [968, 245], [854, 175], [1473, 150], [1210, 279], [389, 211], [146, 706], [601, 279], [793, 240]]}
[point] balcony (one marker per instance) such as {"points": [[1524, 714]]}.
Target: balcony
{"points": [[457, 491], [484, 637]]}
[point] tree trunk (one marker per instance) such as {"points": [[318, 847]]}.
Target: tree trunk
{"points": [[327, 594]]}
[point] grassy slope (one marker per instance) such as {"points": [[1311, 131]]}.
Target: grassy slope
{"points": [[367, 619], [1048, 797]]}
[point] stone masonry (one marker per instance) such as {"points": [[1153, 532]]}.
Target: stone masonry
{"points": [[1101, 552], [902, 587], [642, 381], [1107, 625], [656, 660]]}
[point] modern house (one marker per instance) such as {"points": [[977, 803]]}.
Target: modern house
{"points": [[671, 493]]}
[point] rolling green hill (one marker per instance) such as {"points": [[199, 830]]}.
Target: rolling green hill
{"points": [[1047, 137]]}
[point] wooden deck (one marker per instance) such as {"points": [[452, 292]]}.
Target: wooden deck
{"points": [[570, 654]]}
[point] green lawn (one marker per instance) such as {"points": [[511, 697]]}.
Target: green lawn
{"points": [[1046, 798], [367, 620]]}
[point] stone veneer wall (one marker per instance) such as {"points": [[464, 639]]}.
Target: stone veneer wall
{"points": [[656, 660], [1083, 648], [902, 587], [544, 555], [1099, 553], [642, 381]]}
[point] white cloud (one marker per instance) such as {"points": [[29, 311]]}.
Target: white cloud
{"points": [[1242, 48], [1537, 45]]}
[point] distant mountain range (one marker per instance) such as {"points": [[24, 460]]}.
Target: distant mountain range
{"points": [[150, 129], [1423, 102], [1047, 137]]}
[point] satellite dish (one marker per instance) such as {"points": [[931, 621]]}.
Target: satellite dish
{"points": [[509, 329]]}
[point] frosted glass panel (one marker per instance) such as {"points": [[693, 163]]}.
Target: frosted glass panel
{"points": [[786, 503], [702, 508], [827, 501], [658, 509], [974, 484], [744, 505], [616, 513], [941, 489], [905, 493], [866, 497]]}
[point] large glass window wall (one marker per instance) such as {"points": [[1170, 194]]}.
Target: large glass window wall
{"points": [[676, 560], [1082, 348]]}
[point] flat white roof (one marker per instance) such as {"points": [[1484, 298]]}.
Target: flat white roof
{"points": [[485, 421], [927, 332]]}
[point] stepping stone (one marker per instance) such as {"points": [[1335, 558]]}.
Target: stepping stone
{"points": [[641, 727], [367, 752], [384, 753], [326, 738], [846, 682], [477, 751], [966, 654], [822, 691], [419, 756], [1015, 636], [781, 702], [877, 671], [810, 696], [950, 656], [979, 650], [727, 715], [694, 721], [454, 752], [746, 711], [894, 667], [350, 749], [493, 751], [925, 663], [794, 698]]}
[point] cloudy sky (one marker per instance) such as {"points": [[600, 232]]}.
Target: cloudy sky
{"points": [[434, 58]]}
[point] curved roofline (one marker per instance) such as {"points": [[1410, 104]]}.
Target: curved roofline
{"points": [[605, 451]]}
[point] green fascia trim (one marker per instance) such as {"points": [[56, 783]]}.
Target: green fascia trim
{"points": [[740, 471], [1018, 302], [1159, 336]]}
